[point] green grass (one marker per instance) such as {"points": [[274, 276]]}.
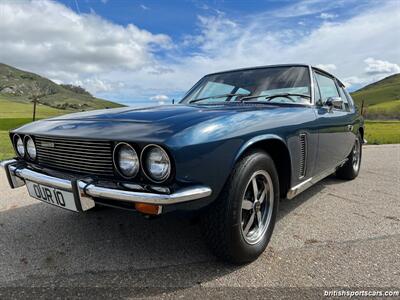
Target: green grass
{"points": [[15, 114], [21, 86], [384, 111], [6, 149], [382, 132], [12, 109]]}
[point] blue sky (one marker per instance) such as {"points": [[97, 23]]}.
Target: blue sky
{"points": [[148, 52]]}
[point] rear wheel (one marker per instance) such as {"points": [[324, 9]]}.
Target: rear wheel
{"points": [[239, 225], [352, 166]]}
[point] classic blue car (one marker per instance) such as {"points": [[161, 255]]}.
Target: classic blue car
{"points": [[237, 143]]}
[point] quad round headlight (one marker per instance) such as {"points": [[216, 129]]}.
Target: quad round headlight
{"points": [[126, 160], [156, 163], [19, 145], [30, 147]]}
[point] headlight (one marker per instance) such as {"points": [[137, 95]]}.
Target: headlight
{"points": [[156, 163], [19, 145], [126, 160], [30, 147]]}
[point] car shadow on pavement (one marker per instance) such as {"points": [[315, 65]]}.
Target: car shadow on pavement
{"points": [[42, 246]]}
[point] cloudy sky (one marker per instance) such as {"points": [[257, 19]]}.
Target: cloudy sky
{"points": [[137, 52]]}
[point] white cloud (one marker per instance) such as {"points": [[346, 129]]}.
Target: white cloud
{"points": [[376, 66], [57, 40], [122, 62], [309, 7], [160, 98], [327, 67], [144, 7], [95, 85], [353, 81], [327, 16]]}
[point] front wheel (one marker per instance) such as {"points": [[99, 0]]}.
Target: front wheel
{"points": [[239, 225], [352, 166]]}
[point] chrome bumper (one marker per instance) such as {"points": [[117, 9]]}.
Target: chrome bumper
{"points": [[85, 192]]}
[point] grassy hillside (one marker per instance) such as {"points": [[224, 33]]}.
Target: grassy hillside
{"points": [[15, 114], [17, 91], [12, 109], [381, 99], [385, 90], [384, 111], [21, 86]]}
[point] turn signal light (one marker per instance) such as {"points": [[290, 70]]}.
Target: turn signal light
{"points": [[148, 209]]}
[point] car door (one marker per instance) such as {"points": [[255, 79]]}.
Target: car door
{"points": [[332, 122]]}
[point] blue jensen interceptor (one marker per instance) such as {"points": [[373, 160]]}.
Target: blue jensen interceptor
{"points": [[237, 143]]}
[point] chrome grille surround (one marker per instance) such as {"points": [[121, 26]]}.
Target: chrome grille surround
{"points": [[89, 157]]}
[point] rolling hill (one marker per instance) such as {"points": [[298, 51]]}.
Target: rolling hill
{"points": [[21, 86], [381, 98]]}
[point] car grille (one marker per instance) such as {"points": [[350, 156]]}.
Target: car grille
{"points": [[75, 155]]}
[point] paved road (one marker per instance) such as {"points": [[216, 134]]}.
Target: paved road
{"points": [[335, 234]]}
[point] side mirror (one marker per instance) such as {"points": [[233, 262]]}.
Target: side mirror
{"points": [[334, 102]]}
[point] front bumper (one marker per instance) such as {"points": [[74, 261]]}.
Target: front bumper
{"points": [[84, 192]]}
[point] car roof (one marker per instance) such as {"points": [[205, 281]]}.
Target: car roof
{"points": [[279, 65]]}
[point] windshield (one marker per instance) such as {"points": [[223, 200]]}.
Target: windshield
{"points": [[260, 84]]}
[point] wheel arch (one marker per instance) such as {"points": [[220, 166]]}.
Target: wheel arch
{"points": [[277, 148]]}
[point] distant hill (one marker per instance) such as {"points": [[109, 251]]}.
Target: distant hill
{"points": [[387, 89], [22, 86], [381, 98]]}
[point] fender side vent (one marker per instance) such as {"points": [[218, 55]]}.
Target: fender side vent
{"points": [[303, 155]]}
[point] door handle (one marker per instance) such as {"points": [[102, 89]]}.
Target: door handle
{"points": [[350, 127]]}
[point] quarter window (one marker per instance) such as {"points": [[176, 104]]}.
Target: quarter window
{"points": [[327, 87], [346, 105], [317, 94]]}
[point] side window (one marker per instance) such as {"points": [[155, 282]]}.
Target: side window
{"points": [[317, 94], [346, 105], [349, 99], [327, 87]]}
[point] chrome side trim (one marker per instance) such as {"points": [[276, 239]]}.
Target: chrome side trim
{"points": [[302, 186], [85, 191]]}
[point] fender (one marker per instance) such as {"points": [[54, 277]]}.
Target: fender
{"points": [[256, 139]]}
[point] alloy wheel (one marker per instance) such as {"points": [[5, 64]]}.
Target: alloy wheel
{"points": [[257, 207]]}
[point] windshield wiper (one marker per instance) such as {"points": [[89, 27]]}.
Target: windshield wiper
{"points": [[270, 97], [217, 96]]}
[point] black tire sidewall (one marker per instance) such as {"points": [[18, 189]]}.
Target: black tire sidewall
{"points": [[347, 171], [252, 163]]}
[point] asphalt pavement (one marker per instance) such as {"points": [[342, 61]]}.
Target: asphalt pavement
{"points": [[336, 235]]}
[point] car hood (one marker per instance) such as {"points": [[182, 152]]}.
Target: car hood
{"points": [[158, 124]]}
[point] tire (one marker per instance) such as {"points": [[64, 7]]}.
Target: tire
{"points": [[352, 166], [226, 222]]}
